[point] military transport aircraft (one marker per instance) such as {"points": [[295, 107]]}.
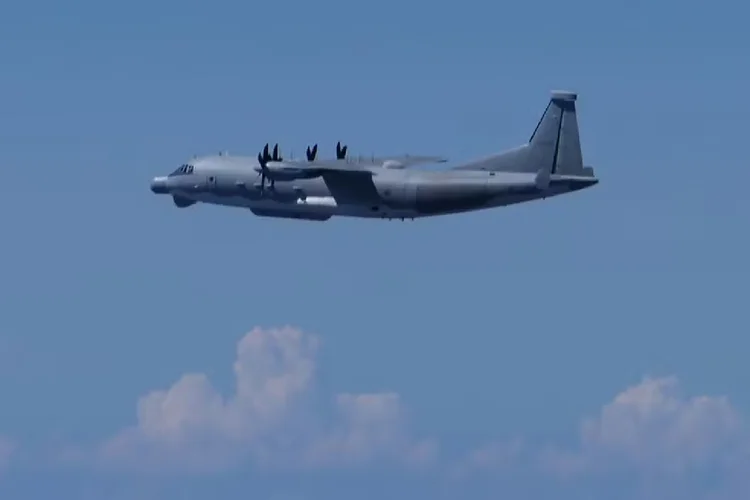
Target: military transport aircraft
{"points": [[549, 164]]}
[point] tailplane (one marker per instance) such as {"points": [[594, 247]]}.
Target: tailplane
{"points": [[554, 146]]}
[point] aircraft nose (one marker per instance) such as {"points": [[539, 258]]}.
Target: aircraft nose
{"points": [[159, 185]]}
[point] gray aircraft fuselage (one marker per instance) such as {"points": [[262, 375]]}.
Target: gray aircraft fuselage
{"points": [[550, 164]]}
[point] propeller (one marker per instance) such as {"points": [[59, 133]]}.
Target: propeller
{"points": [[312, 153], [263, 158], [276, 156], [340, 152]]}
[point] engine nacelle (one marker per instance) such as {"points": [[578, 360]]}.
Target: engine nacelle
{"points": [[393, 164], [288, 173], [291, 174]]}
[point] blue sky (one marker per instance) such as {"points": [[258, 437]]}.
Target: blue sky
{"points": [[472, 347]]}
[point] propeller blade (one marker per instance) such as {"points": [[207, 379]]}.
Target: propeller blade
{"points": [[341, 151], [275, 156], [312, 153], [263, 161]]}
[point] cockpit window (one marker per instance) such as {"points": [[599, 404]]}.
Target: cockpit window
{"points": [[185, 169]]}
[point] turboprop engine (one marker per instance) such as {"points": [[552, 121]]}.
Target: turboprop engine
{"points": [[272, 167]]}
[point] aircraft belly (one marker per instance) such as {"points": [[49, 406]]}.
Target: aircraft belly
{"points": [[182, 201], [506, 197], [291, 214], [230, 201], [452, 196]]}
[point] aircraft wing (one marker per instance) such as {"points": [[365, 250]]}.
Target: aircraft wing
{"points": [[348, 182], [350, 186], [355, 163], [318, 165]]}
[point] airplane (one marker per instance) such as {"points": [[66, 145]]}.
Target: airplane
{"points": [[549, 164]]}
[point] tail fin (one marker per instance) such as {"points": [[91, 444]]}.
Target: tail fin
{"points": [[556, 140], [554, 146]]}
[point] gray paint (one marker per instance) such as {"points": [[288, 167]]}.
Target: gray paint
{"points": [[548, 165]]}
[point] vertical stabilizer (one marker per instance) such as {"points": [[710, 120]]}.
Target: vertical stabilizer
{"points": [[555, 142], [569, 159], [554, 146]]}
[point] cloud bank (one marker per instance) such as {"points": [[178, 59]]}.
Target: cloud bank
{"points": [[651, 441], [650, 435], [272, 419], [650, 426]]}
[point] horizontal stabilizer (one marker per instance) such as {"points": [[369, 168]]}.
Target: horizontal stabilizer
{"points": [[588, 171]]}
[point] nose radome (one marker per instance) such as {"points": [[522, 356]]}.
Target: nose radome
{"points": [[159, 185]]}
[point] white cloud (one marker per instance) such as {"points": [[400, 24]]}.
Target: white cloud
{"points": [[371, 425], [668, 445], [271, 418], [652, 427], [650, 437]]}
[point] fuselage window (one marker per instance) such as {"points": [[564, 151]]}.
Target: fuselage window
{"points": [[184, 169]]}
